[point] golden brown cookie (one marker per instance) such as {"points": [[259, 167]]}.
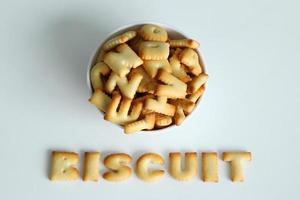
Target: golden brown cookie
{"points": [[236, 162], [210, 167], [154, 50], [174, 87], [190, 168], [63, 166], [142, 169], [121, 115], [152, 66], [189, 43], [98, 69], [118, 164], [91, 166], [160, 106], [190, 58], [100, 100], [153, 32], [144, 124], [127, 87], [120, 39], [122, 60]]}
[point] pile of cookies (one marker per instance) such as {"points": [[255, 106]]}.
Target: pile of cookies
{"points": [[144, 80]]}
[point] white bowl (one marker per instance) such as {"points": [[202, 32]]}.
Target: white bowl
{"points": [[173, 33]]}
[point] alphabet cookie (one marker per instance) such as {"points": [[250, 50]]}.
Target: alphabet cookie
{"points": [[153, 32], [63, 166], [118, 164], [122, 60], [190, 58], [142, 170], [152, 66], [190, 167], [127, 87], [112, 43], [236, 162], [174, 87], [154, 50], [184, 43], [122, 115]]}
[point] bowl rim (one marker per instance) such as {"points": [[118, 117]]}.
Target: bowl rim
{"points": [[123, 29]]}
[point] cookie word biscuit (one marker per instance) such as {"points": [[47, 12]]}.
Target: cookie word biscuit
{"points": [[144, 79], [91, 166], [153, 33], [142, 167], [154, 50], [122, 60], [190, 166], [121, 116], [112, 43], [63, 167], [236, 162], [209, 167], [118, 164]]}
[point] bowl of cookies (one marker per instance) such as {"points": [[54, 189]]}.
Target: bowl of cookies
{"points": [[146, 77]]}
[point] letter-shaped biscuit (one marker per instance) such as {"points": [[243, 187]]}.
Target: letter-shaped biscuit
{"points": [[144, 124], [197, 82], [100, 100], [175, 88], [121, 116], [127, 87], [236, 161], [160, 106], [153, 33], [143, 171], [99, 69], [186, 104], [209, 167], [184, 43], [152, 66], [122, 60], [162, 120], [135, 43], [177, 69], [196, 95], [63, 166], [118, 163], [179, 116], [190, 168], [147, 84], [112, 43], [190, 58], [154, 50], [91, 166]]}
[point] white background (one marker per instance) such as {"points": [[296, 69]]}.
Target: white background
{"points": [[252, 101]]}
